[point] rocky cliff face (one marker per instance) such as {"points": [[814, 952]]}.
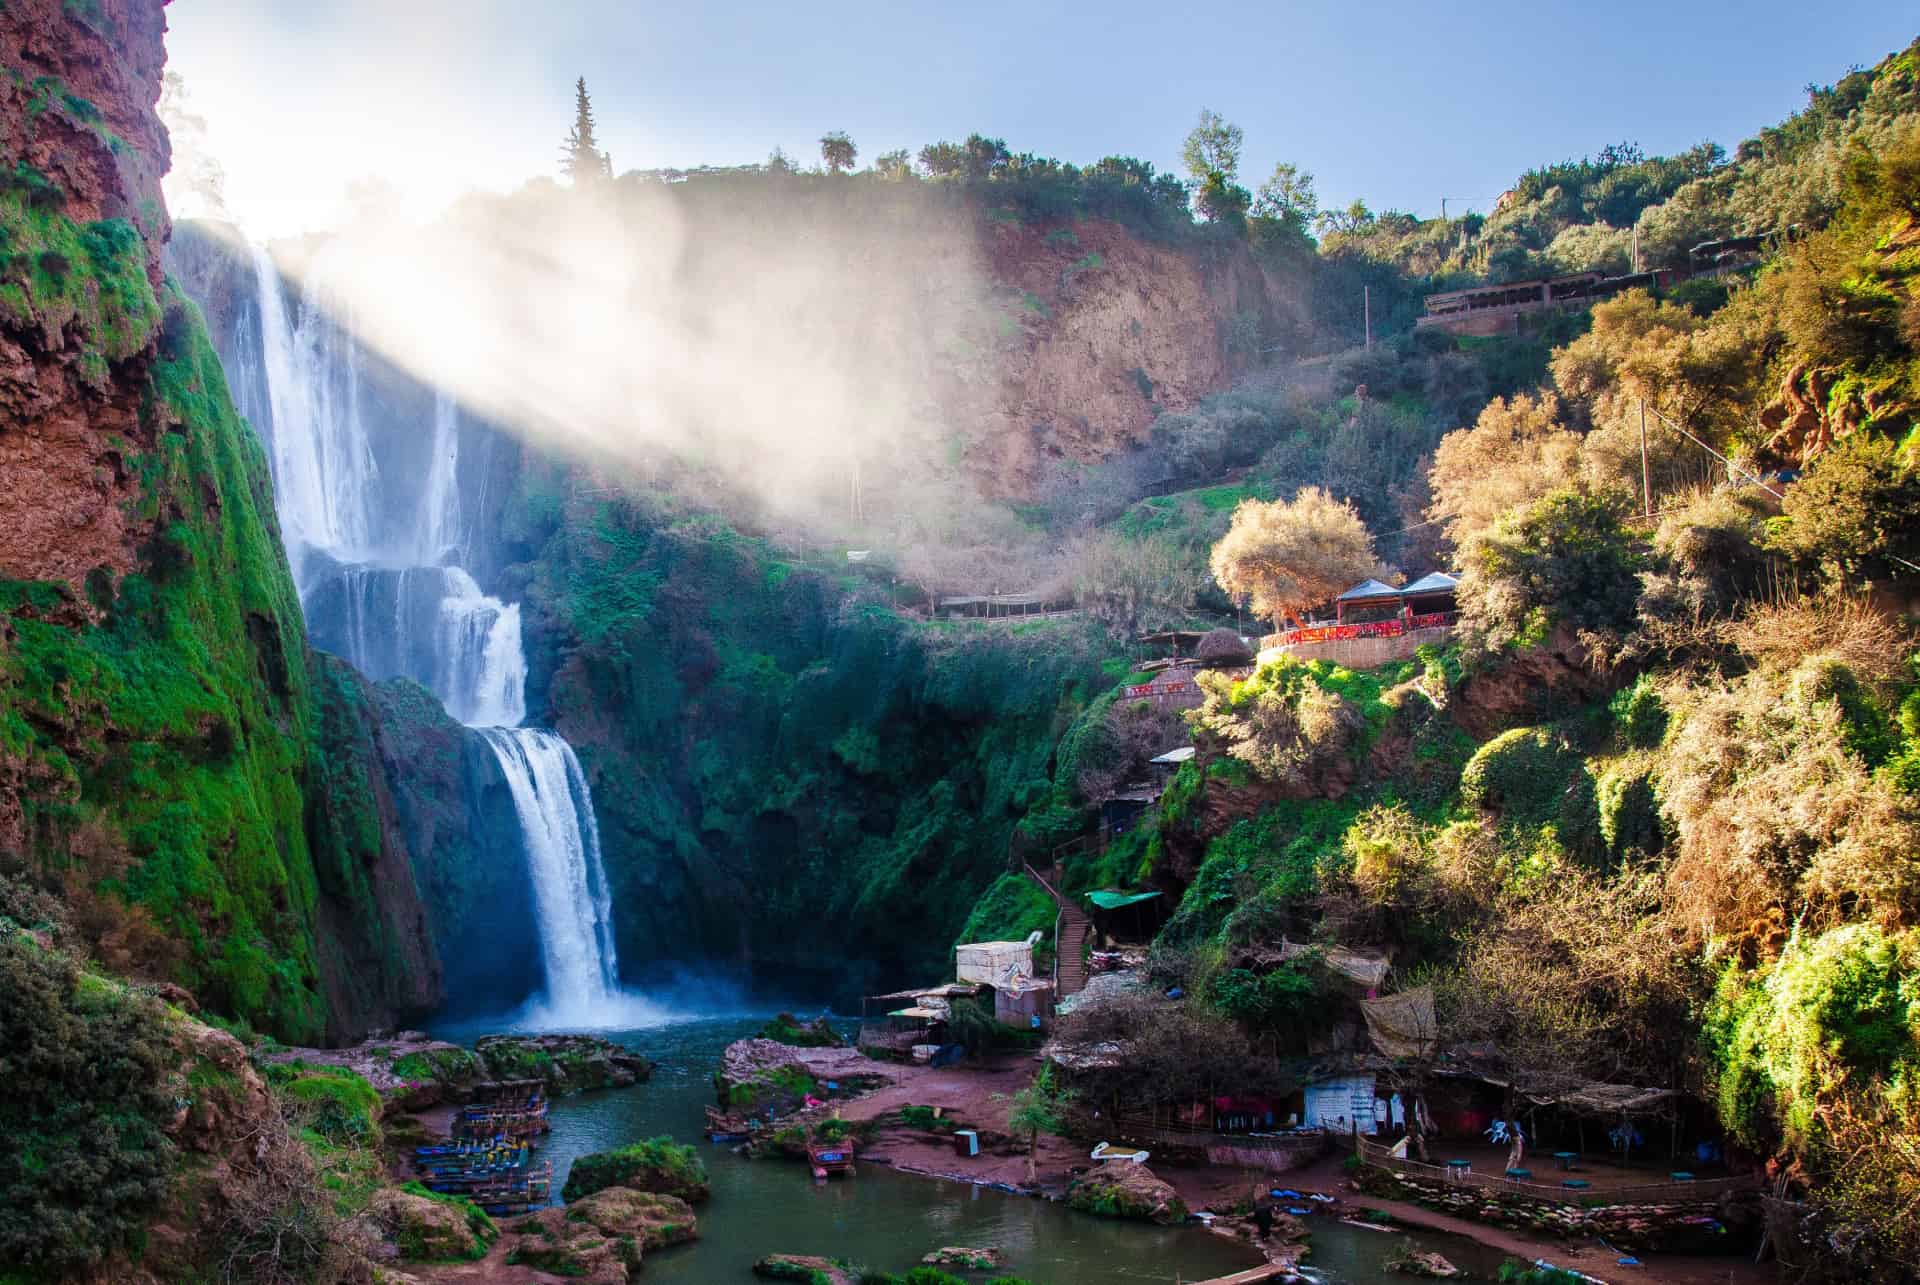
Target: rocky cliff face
{"points": [[170, 759], [1114, 330]]}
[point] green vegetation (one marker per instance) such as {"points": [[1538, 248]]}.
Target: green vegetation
{"points": [[657, 1165], [88, 1101]]}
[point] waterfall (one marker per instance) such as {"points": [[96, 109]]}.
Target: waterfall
{"points": [[322, 462], [481, 669], [438, 536], [570, 893], [439, 627]]}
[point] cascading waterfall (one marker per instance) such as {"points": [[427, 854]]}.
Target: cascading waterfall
{"points": [[402, 605], [323, 471], [569, 883]]}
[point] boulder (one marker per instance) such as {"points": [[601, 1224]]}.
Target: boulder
{"points": [[602, 1238], [807, 1268], [1126, 1190], [431, 1229], [566, 1063], [1415, 1262], [967, 1260]]}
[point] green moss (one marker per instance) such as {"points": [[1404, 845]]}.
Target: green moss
{"points": [[337, 1104], [440, 1065], [416, 1247]]}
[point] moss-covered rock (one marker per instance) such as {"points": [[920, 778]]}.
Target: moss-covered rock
{"points": [[1121, 1190], [658, 1165], [426, 1227], [603, 1237], [565, 1063], [809, 1269]]}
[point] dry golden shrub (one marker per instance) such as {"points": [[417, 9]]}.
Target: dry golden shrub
{"points": [[1774, 811], [1781, 634]]}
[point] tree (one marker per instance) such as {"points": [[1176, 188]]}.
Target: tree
{"points": [[1355, 218], [978, 157], [1856, 512], [894, 165], [580, 156], [1040, 1107], [838, 151], [1288, 196], [1289, 556], [1564, 558], [1213, 147], [1516, 452], [1132, 585]]}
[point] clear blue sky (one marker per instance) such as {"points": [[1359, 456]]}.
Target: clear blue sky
{"points": [[1398, 103]]}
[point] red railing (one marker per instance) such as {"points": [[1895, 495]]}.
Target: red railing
{"points": [[1160, 688], [1372, 629]]}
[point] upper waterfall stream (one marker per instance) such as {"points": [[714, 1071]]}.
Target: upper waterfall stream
{"points": [[387, 593]]}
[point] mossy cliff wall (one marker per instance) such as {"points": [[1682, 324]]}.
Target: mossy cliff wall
{"points": [[171, 756]]}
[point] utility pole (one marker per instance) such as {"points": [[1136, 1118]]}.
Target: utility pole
{"points": [[1366, 304], [1636, 245], [1646, 490]]}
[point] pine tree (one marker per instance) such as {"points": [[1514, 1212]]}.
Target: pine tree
{"points": [[580, 156]]}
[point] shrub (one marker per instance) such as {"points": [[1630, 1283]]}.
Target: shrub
{"points": [[1856, 513], [85, 1066], [1531, 777], [1639, 714], [1564, 558], [658, 1165]]}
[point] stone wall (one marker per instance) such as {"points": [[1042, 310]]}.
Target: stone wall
{"points": [[1727, 1224]]}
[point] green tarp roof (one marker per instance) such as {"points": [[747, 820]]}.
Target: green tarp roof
{"points": [[1114, 900]]}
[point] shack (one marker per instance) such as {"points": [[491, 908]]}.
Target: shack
{"points": [[1127, 917], [1020, 999], [1368, 599]]}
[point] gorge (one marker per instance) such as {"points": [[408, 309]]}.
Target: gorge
{"points": [[660, 602]]}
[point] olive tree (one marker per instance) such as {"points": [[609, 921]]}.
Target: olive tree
{"points": [[1286, 556]]}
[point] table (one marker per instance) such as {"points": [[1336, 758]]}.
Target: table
{"points": [[1575, 1184], [1457, 1170], [1566, 1158], [1681, 1175]]}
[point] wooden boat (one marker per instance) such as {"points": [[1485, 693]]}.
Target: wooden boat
{"points": [[830, 1157]]}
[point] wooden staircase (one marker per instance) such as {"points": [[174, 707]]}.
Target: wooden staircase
{"points": [[1072, 930]]}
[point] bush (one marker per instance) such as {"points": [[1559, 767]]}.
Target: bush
{"points": [[658, 1165], [86, 1104], [1563, 559], [1639, 714], [1531, 777]]}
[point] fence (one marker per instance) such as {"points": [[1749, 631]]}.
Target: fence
{"points": [[1372, 629], [1380, 1157]]}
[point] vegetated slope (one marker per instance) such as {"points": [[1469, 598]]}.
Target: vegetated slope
{"points": [[1655, 818], [196, 784]]}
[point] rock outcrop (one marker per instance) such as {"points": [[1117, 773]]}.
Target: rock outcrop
{"points": [[602, 1239], [414, 1071]]}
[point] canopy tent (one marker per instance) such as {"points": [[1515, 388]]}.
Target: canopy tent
{"points": [[1108, 899], [1173, 758]]}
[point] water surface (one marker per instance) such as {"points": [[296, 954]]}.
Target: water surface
{"points": [[887, 1220]]}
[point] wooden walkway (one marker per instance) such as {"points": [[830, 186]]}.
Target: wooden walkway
{"points": [[1253, 1275], [1073, 929]]}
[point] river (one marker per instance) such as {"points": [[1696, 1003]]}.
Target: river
{"points": [[887, 1220]]}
